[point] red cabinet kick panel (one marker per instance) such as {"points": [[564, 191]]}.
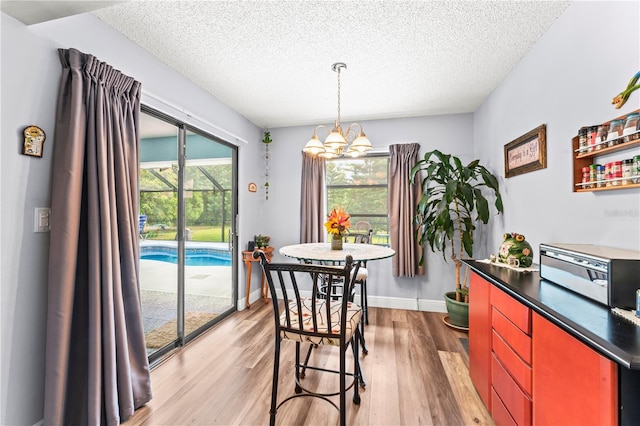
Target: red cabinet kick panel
{"points": [[515, 400], [515, 311], [512, 335]]}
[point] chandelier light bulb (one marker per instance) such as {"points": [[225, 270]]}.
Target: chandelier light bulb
{"points": [[314, 146]]}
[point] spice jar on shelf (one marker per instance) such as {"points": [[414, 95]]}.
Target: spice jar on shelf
{"points": [[607, 173], [627, 171], [631, 126], [636, 169], [600, 176], [616, 173], [601, 137], [593, 175], [582, 140], [585, 177], [591, 137], [615, 131]]}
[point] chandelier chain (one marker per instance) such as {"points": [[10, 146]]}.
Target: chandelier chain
{"points": [[339, 68]]}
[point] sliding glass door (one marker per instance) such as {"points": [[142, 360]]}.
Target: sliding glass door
{"points": [[187, 211]]}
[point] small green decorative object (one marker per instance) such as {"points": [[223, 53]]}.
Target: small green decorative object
{"points": [[267, 137], [515, 246]]}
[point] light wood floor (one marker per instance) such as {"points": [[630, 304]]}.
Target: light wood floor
{"points": [[416, 373]]}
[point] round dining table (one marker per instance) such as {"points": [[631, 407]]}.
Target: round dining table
{"points": [[317, 252]]}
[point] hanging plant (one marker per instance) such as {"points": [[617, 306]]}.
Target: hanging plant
{"points": [[266, 140]]}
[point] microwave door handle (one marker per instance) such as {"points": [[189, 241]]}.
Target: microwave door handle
{"points": [[574, 261]]}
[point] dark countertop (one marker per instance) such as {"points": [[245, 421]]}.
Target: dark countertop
{"points": [[588, 321]]}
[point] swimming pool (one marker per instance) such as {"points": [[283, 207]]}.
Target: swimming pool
{"points": [[193, 257]]}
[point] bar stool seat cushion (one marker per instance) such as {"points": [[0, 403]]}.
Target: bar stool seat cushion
{"points": [[354, 312]]}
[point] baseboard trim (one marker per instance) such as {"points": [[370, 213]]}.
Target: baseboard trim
{"points": [[423, 305]]}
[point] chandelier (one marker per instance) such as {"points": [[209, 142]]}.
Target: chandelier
{"points": [[336, 142]]}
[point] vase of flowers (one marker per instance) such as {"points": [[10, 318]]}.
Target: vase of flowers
{"points": [[337, 224]]}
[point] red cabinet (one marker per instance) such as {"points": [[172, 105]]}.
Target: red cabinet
{"points": [[500, 352], [480, 337], [529, 371], [572, 384]]}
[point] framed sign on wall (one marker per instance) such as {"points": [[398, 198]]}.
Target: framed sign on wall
{"points": [[33, 144], [527, 153]]}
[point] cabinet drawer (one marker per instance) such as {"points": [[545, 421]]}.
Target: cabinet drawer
{"points": [[499, 412], [512, 335], [515, 366], [515, 311], [514, 399]]}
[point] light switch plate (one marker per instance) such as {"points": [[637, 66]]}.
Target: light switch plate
{"points": [[42, 219]]}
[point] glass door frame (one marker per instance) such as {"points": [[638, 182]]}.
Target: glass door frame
{"points": [[182, 129]]}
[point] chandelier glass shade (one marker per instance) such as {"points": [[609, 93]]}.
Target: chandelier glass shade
{"points": [[337, 142]]}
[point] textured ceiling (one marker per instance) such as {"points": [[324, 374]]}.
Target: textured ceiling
{"points": [[271, 60]]}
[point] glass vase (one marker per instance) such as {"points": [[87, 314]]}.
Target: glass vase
{"points": [[336, 242]]}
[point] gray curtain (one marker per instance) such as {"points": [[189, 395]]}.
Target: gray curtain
{"points": [[403, 200], [311, 199], [96, 368]]}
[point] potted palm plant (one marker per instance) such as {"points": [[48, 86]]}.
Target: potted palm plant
{"points": [[451, 204]]}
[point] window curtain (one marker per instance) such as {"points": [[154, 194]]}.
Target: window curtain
{"points": [[403, 201], [96, 369], [311, 199]]}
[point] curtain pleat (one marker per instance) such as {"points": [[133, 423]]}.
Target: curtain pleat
{"points": [[96, 363], [403, 200], [311, 199]]}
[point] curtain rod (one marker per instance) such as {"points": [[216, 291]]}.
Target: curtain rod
{"points": [[191, 115]]}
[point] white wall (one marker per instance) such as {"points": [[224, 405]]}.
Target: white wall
{"points": [[450, 133], [566, 81], [30, 72], [30, 78]]}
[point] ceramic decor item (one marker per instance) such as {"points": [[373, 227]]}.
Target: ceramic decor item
{"points": [[515, 251]]}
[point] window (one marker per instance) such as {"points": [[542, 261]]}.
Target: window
{"points": [[360, 185]]}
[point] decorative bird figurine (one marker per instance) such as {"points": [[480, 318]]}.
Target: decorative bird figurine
{"points": [[620, 100]]}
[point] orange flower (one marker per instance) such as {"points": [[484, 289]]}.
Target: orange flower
{"points": [[338, 221]]}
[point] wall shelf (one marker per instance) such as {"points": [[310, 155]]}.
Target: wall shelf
{"points": [[585, 159]]}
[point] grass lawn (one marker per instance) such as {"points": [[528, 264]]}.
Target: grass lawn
{"points": [[198, 233], [214, 234]]}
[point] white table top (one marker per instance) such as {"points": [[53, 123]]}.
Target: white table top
{"points": [[322, 251]]}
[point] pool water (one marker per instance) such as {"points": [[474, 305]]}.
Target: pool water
{"points": [[192, 259]]}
